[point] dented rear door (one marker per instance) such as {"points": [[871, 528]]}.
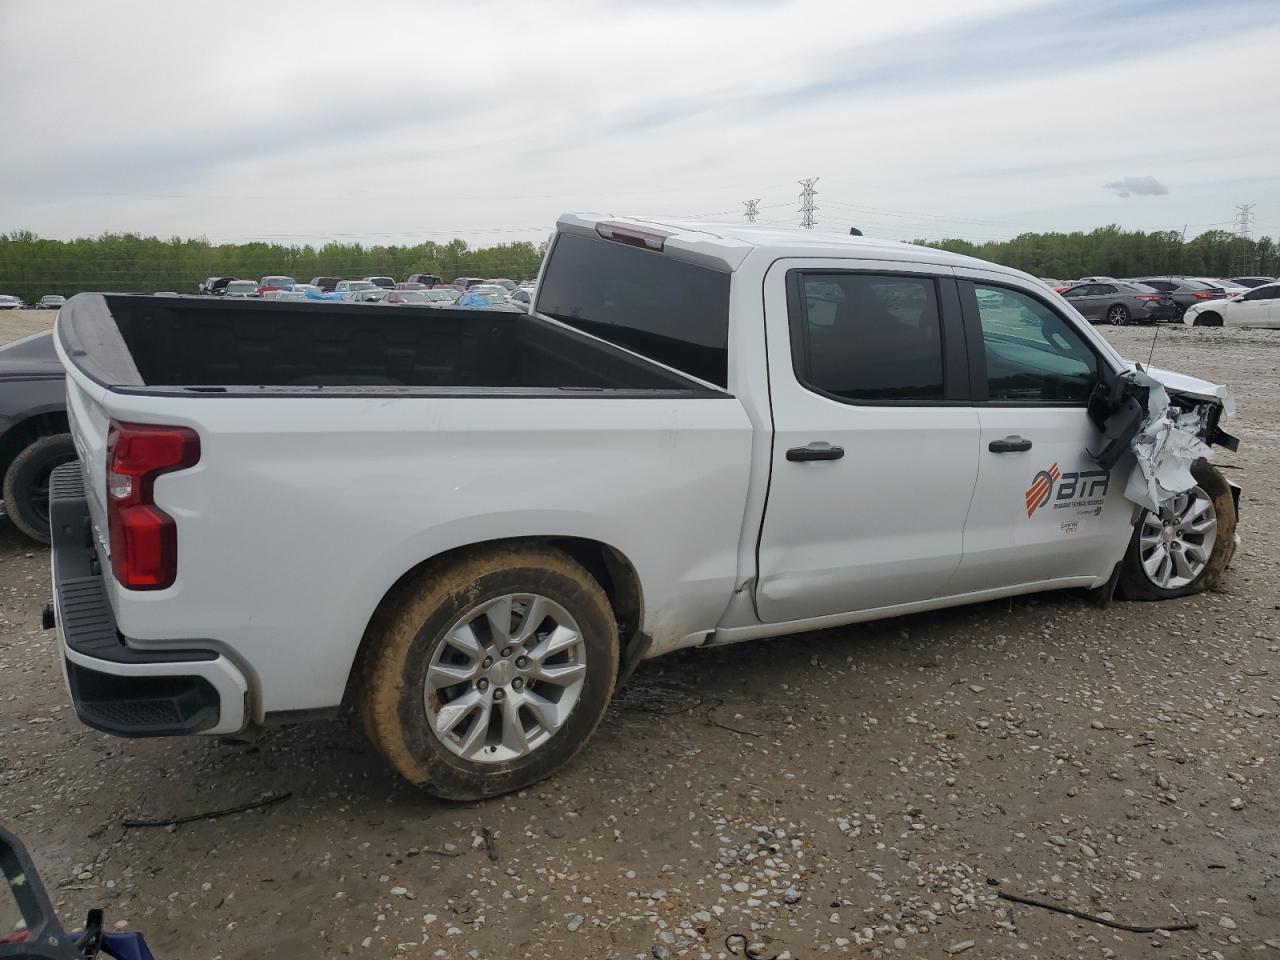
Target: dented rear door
{"points": [[1042, 509]]}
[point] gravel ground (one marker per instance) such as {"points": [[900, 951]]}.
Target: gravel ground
{"points": [[866, 791]]}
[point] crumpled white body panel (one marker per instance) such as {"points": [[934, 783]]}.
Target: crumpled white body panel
{"points": [[1169, 441]]}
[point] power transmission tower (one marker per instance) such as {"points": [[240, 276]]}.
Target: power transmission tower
{"points": [[1244, 230], [751, 210], [807, 209]]}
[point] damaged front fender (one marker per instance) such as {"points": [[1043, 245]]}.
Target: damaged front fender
{"points": [[1167, 421]]}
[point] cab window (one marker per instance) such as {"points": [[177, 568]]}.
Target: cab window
{"points": [[1033, 355], [869, 338]]}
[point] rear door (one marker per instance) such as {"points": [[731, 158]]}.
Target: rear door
{"points": [[1042, 509], [875, 443], [1255, 309]]}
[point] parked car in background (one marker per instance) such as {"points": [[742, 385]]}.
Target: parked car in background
{"points": [[522, 297], [507, 285], [1185, 292], [443, 295], [33, 430], [1258, 307], [387, 283], [466, 283], [241, 289], [51, 301], [1118, 302], [211, 285], [217, 286], [347, 289], [1054, 284], [1252, 282], [1229, 288], [410, 285], [487, 300], [325, 284], [278, 282], [8, 302], [1096, 280], [427, 279], [405, 298]]}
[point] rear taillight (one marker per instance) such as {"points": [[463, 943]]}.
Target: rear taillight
{"points": [[1204, 294], [1149, 297], [144, 539]]}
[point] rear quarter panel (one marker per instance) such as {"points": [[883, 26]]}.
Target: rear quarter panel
{"points": [[303, 511]]}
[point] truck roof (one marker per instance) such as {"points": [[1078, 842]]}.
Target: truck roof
{"points": [[729, 243]]}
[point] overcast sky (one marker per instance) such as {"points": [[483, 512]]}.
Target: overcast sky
{"points": [[407, 120]]}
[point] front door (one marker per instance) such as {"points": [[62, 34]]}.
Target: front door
{"points": [[1042, 509], [875, 442]]}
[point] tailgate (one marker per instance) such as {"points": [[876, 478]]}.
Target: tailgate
{"points": [[89, 423]]}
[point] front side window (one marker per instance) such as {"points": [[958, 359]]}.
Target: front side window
{"points": [[1033, 354], [869, 338]]}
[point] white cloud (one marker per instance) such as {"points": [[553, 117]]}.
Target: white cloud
{"points": [[1139, 186], [398, 120]]}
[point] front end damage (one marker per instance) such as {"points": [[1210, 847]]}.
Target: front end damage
{"points": [[1167, 421]]}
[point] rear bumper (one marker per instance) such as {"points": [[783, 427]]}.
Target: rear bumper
{"points": [[118, 685]]}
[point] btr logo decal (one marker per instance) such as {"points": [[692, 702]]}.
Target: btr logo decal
{"points": [[1041, 488], [1085, 488]]}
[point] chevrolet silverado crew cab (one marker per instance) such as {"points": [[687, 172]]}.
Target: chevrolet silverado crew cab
{"points": [[470, 525]]}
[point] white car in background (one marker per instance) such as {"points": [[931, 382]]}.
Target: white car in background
{"points": [[1259, 307]]}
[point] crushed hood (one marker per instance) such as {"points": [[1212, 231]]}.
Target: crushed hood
{"points": [[1168, 421]]}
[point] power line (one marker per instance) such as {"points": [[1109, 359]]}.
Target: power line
{"points": [[807, 209]]}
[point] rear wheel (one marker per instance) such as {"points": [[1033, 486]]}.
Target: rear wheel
{"points": [[1118, 315], [26, 485], [1186, 551], [488, 674]]}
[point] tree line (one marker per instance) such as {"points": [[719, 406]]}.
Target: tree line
{"points": [[31, 266], [1113, 252]]}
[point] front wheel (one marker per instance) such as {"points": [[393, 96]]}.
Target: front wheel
{"points": [[26, 485], [488, 674], [1118, 315], [1185, 552]]}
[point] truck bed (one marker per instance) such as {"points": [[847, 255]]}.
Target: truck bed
{"points": [[144, 344]]}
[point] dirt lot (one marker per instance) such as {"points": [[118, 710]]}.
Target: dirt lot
{"points": [[859, 792]]}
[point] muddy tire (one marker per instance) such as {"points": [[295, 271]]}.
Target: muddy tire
{"points": [[488, 673], [26, 485], [1137, 579]]}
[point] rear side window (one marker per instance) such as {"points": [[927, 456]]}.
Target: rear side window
{"points": [[1163, 285], [671, 311], [870, 338]]}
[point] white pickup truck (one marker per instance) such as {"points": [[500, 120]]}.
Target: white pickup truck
{"points": [[469, 525]]}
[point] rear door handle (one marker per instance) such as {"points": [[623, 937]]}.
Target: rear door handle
{"points": [[1014, 444], [815, 451]]}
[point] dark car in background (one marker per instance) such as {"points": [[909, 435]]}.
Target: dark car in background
{"points": [[1120, 302], [1184, 292], [429, 279], [326, 284], [33, 430]]}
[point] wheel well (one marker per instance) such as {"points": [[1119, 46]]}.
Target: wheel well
{"points": [[613, 571], [1209, 318], [21, 435]]}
